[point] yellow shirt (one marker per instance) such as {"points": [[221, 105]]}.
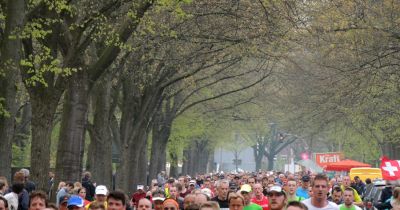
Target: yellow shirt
{"points": [[357, 197]]}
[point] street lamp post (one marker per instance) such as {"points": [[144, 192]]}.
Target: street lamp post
{"points": [[273, 139], [236, 160]]}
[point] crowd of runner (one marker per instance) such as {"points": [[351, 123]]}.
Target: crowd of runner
{"points": [[244, 191]]}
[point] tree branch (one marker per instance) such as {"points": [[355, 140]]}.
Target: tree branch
{"points": [[237, 104], [202, 66], [282, 146], [222, 94], [110, 53], [213, 83]]}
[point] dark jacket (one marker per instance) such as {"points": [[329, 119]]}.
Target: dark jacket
{"points": [[360, 188], [90, 188], [23, 200], [30, 186], [384, 201]]}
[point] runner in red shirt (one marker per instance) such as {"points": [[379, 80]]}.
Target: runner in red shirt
{"points": [[139, 194], [259, 197]]}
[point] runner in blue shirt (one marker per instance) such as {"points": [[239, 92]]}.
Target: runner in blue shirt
{"points": [[303, 190]]}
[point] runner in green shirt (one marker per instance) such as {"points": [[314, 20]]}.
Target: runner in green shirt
{"points": [[348, 196], [245, 191], [291, 194]]}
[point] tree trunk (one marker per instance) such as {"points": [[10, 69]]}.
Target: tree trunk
{"points": [[258, 163], [99, 160], [270, 162], [143, 164], [210, 165], [203, 162], [122, 174], [155, 149], [44, 99], [198, 157], [188, 160], [173, 170], [139, 141], [194, 158], [92, 151], [44, 106], [158, 147], [163, 160], [9, 67], [23, 128], [126, 125], [116, 137], [204, 159], [198, 162], [161, 131], [185, 162], [72, 131], [137, 112], [162, 125], [258, 151]]}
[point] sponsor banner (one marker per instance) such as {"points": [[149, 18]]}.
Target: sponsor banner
{"points": [[323, 159]]}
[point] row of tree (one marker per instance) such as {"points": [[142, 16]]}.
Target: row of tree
{"points": [[158, 80], [337, 87], [340, 86], [124, 71]]}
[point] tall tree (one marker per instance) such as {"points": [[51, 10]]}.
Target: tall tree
{"points": [[10, 60], [99, 158], [160, 134], [58, 37], [72, 131]]}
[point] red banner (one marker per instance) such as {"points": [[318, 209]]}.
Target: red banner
{"points": [[323, 159], [390, 169]]}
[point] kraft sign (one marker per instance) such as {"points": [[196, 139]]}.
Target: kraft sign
{"points": [[322, 159]]}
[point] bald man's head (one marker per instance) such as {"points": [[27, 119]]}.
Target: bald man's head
{"points": [[144, 204], [201, 198]]}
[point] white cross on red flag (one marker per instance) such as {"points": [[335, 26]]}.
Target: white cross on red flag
{"points": [[390, 169]]}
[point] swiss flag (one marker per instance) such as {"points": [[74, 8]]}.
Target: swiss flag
{"points": [[390, 169]]}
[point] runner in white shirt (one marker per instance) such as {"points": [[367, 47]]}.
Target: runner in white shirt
{"points": [[319, 200]]}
